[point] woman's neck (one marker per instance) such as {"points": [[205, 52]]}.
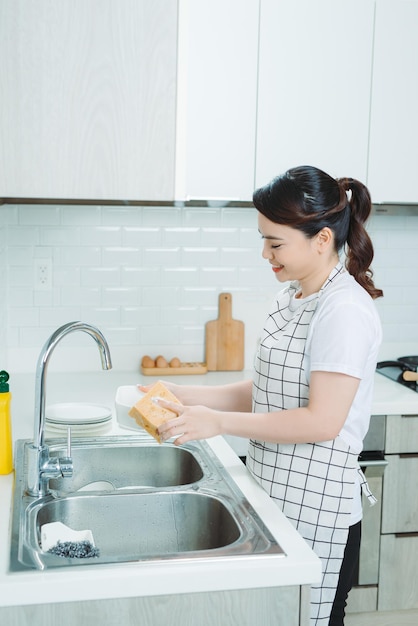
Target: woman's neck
{"points": [[313, 283]]}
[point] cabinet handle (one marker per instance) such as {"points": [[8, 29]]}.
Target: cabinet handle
{"points": [[405, 535], [408, 455]]}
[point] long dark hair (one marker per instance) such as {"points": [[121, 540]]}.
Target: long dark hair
{"points": [[308, 199]]}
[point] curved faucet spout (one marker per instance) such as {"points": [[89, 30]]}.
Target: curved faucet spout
{"points": [[38, 470]]}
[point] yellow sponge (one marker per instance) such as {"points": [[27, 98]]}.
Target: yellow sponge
{"points": [[148, 414]]}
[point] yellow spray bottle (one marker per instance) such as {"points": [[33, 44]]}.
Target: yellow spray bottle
{"points": [[6, 446]]}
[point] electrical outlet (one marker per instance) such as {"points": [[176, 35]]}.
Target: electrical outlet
{"points": [[43, 274]]}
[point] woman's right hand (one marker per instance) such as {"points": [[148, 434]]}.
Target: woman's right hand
{"points": [[173, 387]]}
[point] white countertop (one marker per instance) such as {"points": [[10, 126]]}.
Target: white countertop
{"points": [[300, 566]]}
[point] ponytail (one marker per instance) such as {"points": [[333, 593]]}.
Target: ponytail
{"points": [[359, 247]]}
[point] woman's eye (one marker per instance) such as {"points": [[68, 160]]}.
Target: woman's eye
{"points": [[276, 246]]}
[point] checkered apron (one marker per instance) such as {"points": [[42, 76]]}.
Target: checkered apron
{"points": [[313, 484]]}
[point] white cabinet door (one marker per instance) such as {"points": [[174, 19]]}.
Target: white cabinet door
{"points": [[88, 97], [314, 86], [217, 84], [394, 119]]}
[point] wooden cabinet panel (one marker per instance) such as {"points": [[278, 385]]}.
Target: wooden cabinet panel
{"points": [[247, 607], [394, 122], [400, 486], [398, 581], [88, 98], [401, 434], [314, 86]]}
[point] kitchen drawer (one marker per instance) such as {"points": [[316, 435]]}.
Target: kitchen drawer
{"points": [[401, 434], [398, 580], [400, 487]]}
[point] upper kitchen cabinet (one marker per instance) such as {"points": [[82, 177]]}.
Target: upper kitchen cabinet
{"points": [[217, 92], [314, 86], [394, 120], [88, 98]]}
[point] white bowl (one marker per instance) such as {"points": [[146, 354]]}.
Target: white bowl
{"points": [[126, 397]]}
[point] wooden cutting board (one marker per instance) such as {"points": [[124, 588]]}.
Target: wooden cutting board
{"points": [[224, 339]]}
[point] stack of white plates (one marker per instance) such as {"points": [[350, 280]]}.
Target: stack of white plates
{"points": [[84, 419]]}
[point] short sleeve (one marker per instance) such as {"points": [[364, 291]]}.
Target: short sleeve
{"points": [[342, 337]]}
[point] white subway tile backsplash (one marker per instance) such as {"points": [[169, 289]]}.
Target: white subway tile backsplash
{"points": [[200, 296], [141, 236], [101, 316], [85, 296], [245, 217], [57, 316], [18, 296], [39, 215], [22, 236], [21, 276], [180, 276], [76, 215], [64, 236], [85, 255], [121, 216], [220, 236], [100, 276], [164, 216], [179, 315], [20, 255], [121, 256], [68, 276], [159, 336], [193, 335], [101, 236], [151, 276], [241, 257], [120, 296], [178, 236], [198, 256], [160, 257], [23, 316], [139, 316], [139, 276], [201, 217]]}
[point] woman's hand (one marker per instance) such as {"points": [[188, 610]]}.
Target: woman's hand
{"points": [[179, 391], [192, 423]]}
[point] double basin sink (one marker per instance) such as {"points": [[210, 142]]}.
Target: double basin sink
{"points": [[142, 501]]}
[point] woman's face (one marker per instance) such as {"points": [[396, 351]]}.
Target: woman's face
{"points": [[291, 254]]}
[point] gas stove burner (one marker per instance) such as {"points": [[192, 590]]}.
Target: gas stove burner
{"points": [[403, 370]]}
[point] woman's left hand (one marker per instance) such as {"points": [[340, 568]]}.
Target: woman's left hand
{"points": [[192, 423]]}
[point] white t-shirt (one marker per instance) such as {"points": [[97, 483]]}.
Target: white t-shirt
{"points": [[344, 304]]}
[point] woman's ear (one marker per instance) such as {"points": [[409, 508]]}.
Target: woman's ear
{"points": [[324, 239]]}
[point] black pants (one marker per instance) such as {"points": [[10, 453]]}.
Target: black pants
{"points": [[345, 581]]}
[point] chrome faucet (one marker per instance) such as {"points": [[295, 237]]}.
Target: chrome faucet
{"points": [[40, 466]]}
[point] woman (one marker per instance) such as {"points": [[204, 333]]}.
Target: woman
{"points": [[307, 409]]}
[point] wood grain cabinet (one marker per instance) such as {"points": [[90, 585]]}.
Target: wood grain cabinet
{"points": [[398, 586], [88, 99]]}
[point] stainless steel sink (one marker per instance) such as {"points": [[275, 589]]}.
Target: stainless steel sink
{"points": [[163, 502], [122, 466]]}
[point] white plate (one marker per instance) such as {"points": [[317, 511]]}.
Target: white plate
{"points": [[126, 397], [77, 430], [77, 413]]}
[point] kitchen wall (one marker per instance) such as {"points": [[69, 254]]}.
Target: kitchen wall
{"points": [[149, 278]]}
